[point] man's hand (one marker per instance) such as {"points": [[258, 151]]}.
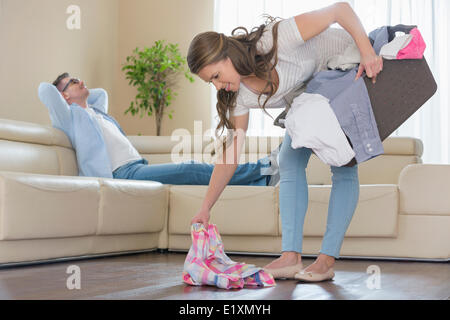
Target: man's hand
{"points": [[201, 217]]}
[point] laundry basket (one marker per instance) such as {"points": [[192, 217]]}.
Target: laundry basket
{"points": [[401, 89]]}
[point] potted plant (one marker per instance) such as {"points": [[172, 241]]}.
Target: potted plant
{"points": [[154, 71]]}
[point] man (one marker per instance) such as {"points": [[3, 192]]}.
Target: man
{"points": [[103, 150]]}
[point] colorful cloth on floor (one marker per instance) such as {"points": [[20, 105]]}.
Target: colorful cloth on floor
{"points": [[207, 263]]}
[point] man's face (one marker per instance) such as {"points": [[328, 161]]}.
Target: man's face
{"points": [[73, 90]]}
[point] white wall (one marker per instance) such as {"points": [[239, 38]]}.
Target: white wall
{"points": [[36, 46]]}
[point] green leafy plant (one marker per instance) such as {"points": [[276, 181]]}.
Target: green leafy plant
{"points": [[154, 72]]}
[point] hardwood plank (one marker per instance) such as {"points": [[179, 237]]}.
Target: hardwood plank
{"points": [[158, 276]]}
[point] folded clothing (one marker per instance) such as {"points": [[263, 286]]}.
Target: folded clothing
{"points": [[348, 60], [415, 49], [411, 45], [207, 263], [390, 50]]}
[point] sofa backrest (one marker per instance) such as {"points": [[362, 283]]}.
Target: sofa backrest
{"points": [[384, 169], [399, 152], [34, 148]]}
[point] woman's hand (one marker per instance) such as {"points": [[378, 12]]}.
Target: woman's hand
{"points": [[310, 24], [372, 64], [201, 217]]}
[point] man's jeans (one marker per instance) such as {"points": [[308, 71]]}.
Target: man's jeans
{"points": [[192, 173]]}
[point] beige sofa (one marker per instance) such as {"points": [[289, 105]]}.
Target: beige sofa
{"points": [[48, 212]]}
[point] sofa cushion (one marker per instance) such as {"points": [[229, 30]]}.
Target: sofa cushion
{"points": [[28, 157], [240, 210], [37, 158], [44, 206], [32, 133], [384, 169], [376, 214], [129, 206], [176, 149], [403, 146], [36, 148], [425, 190]]}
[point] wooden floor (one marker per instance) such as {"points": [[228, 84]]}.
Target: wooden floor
{"points": [[158, 276]]}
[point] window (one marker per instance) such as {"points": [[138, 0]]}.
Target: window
{"points": [[431, 122]]}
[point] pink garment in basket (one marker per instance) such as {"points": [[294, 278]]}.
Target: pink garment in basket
{"points": [[415, 49], [207, 263]]}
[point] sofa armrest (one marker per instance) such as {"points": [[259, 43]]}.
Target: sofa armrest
{"points": [[425, 190]]}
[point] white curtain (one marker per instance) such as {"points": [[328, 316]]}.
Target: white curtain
{"points": [[431, 122]]}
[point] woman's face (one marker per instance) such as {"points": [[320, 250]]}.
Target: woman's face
{"points": [[222, 74]]}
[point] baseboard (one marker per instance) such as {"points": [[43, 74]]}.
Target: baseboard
{"points": [[243, 253], [73, 258], [165, 251]]}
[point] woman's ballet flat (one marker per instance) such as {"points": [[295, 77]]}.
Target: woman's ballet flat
{"points": [[285, 272], [314, 277]]}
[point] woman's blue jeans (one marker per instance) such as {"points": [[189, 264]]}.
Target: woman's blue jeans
{"points": [[294, 200], [192, 173]]}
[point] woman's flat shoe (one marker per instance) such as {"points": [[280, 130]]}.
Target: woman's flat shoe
{"points": [[315, 277], [285, 272]]}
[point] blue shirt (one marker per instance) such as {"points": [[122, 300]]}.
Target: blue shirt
{"points": [[350, 102], [83, 131]]}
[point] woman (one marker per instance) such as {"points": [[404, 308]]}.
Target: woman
{"points": [[257, 70]]}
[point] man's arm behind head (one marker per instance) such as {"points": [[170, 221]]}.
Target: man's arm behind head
{"points": [[56, 105], [98, 98]]}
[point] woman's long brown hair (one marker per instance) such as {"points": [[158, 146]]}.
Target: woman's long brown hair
{"points": [[212, 47]]}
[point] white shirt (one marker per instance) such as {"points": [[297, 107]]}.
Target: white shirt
{"points": [[297, 61], [390, 51], [311, 123], [119, 148]]}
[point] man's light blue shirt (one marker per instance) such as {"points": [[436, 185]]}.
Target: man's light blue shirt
{"points": [[83, 131]]}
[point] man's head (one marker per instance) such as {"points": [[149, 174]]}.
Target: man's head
{"points": [[72, 89]]}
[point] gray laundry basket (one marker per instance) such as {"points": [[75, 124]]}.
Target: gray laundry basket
{"points": [[401, 89]]}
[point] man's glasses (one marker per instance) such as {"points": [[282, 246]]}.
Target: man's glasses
{"points": [[72, 80]]}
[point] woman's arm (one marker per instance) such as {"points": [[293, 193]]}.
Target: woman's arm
{"points": [[313, 23], [224, 169]]}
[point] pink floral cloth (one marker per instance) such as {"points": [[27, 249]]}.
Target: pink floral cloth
{"points": [[415, 49], [207, 263]]}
